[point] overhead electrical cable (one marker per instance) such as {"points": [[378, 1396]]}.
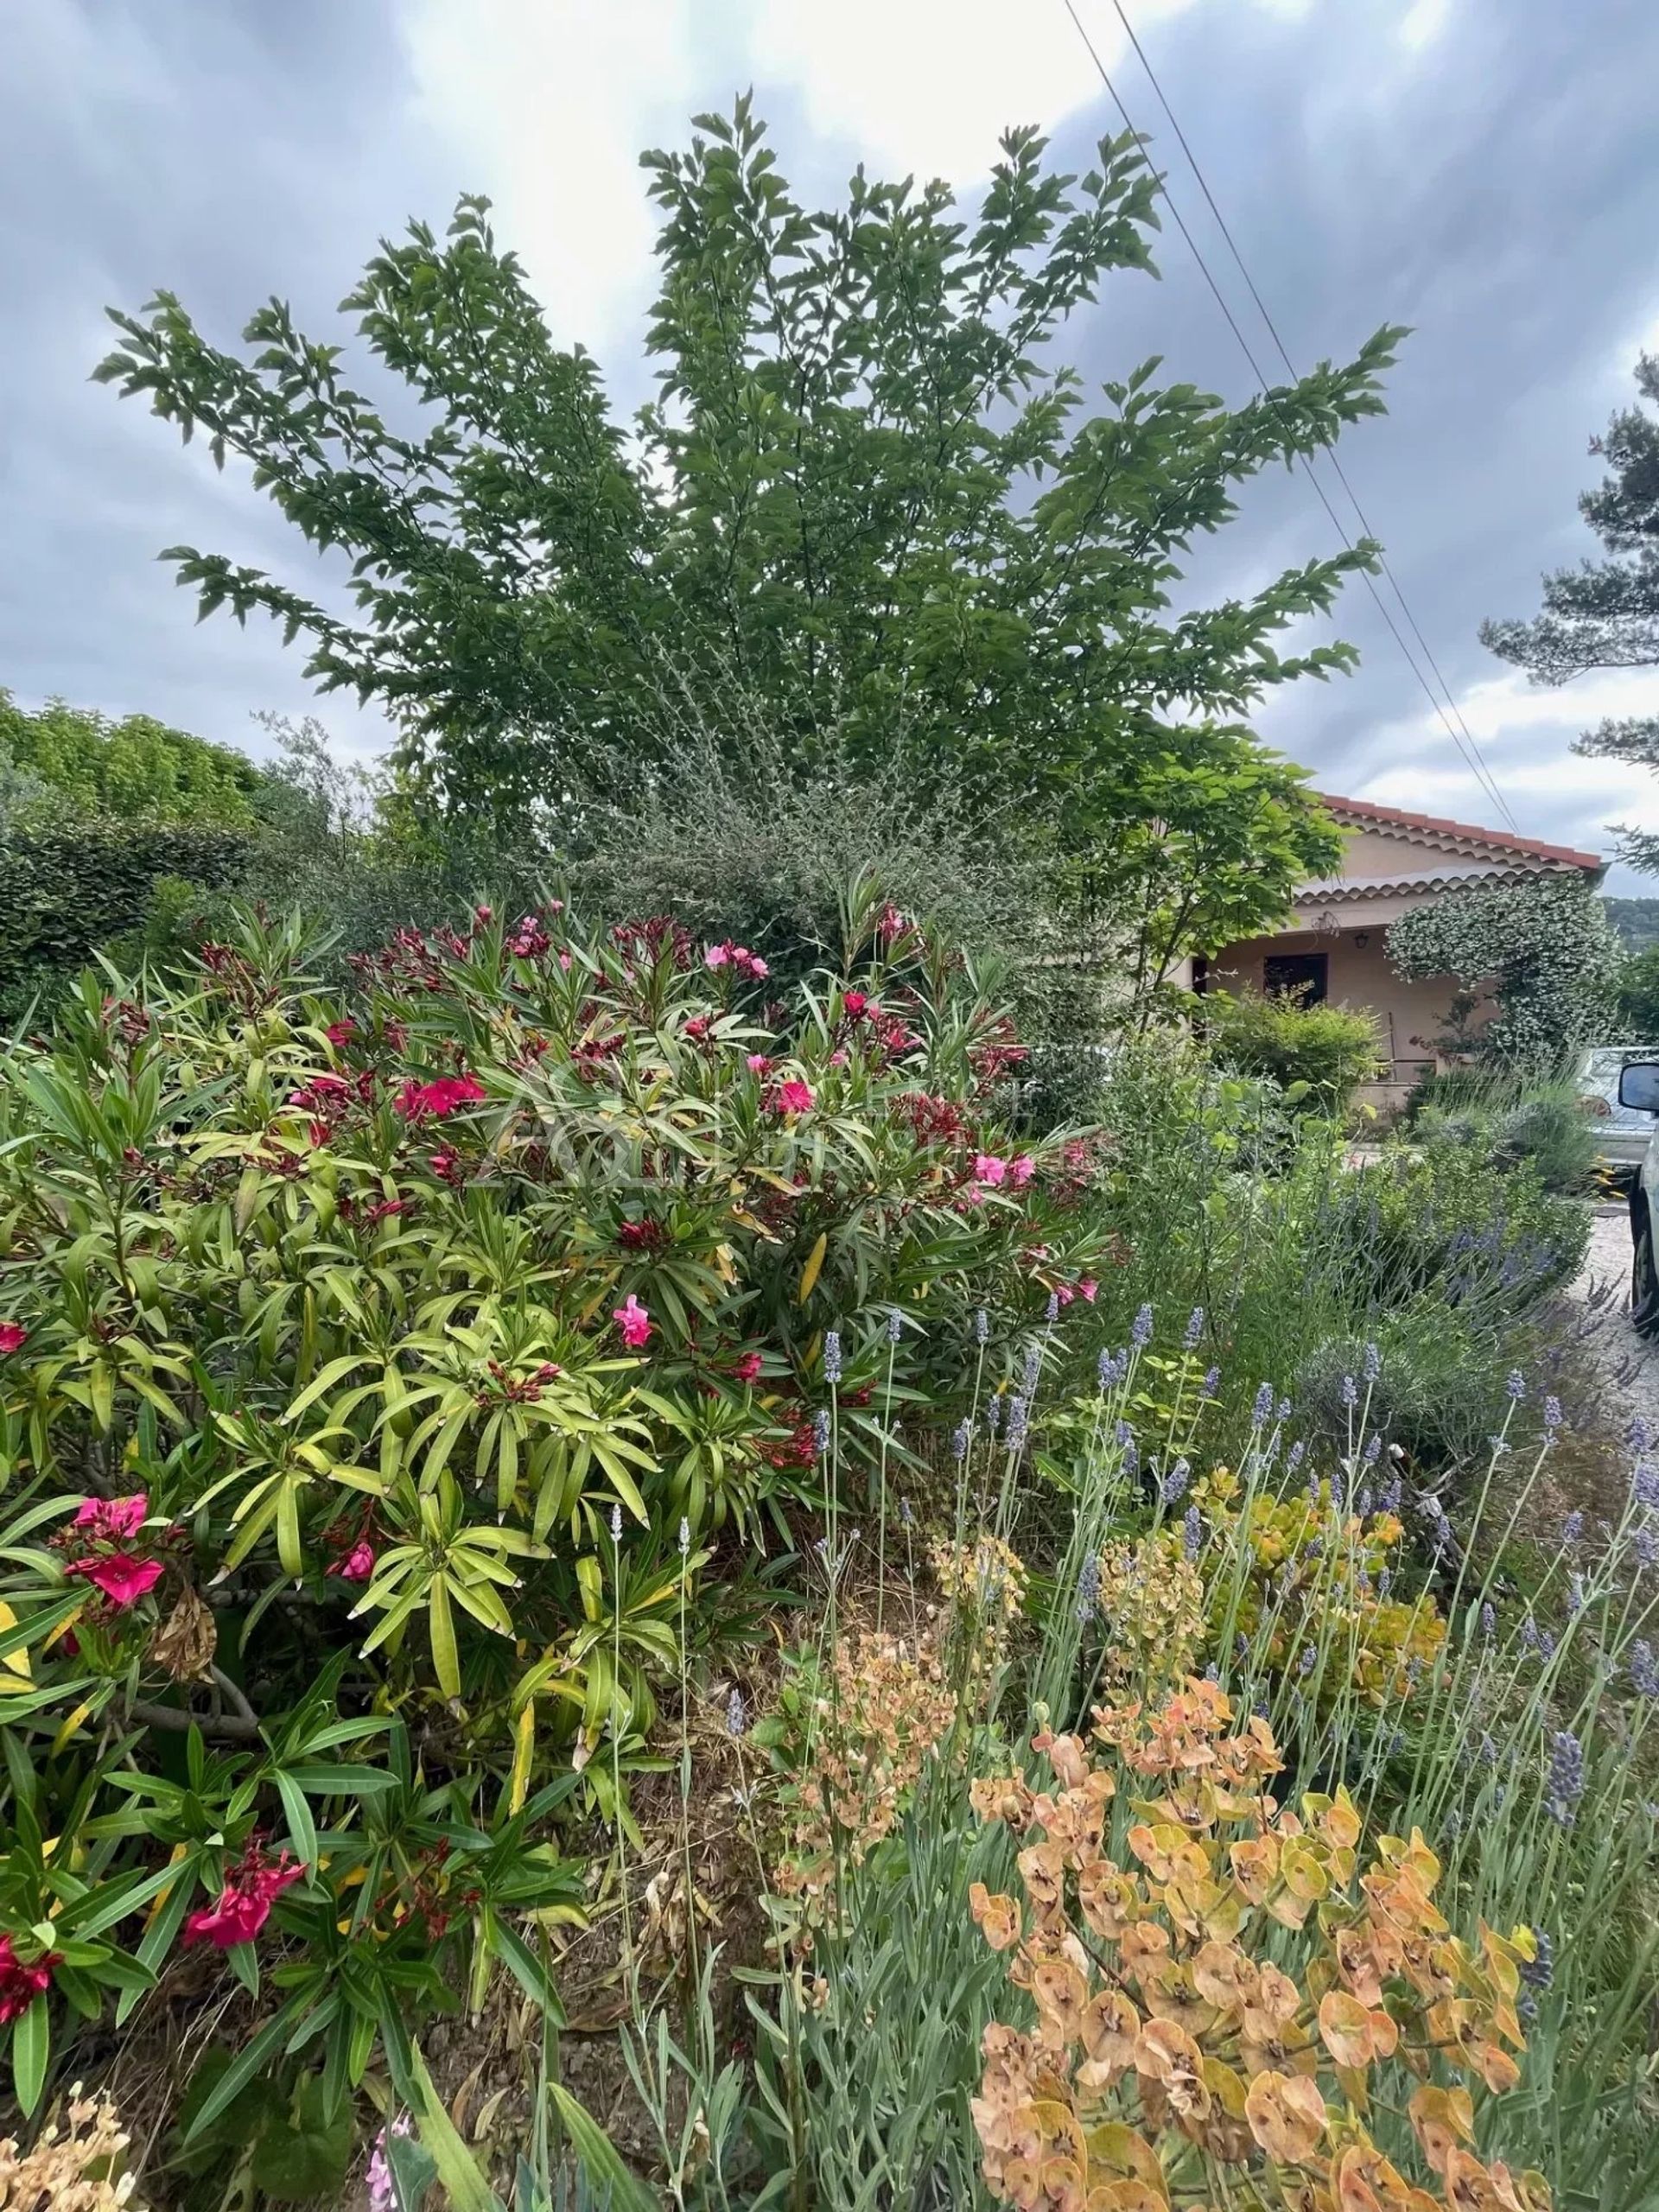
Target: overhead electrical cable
{"points": [[1462, 737]]}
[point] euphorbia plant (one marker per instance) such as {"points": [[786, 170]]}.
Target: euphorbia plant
{"points": [[1228, 2008]]}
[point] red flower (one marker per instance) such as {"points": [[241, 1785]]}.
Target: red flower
{"points": [[20, 1983], [747, 1368], [416, 1101], [123, 1578], [698, 1028], [356, 1565], [13, 1336], [853, 1004], [633, 1319], [446, 1165], [113, 1519], [794, 1096], [244, 1902], [340, 1034]]}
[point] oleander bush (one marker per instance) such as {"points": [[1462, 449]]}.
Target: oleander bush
{"points": [[384, 1369]]}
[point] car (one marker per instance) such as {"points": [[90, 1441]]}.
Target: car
{"points": [[1622, 1133], [1638, 1093]]}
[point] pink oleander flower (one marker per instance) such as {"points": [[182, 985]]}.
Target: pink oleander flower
{"points": [[759, 1064], [417, 1102], [1022, 1170], [747, 1369], [987, 1168], [633, 1319], [717, 956], [853, 1004], [20, 1983], [123, 1579], [356, 1565], [244, 1903], [1086, 1288], [758, 966], [13, 1336], [483, 916], [794, 1096], [340, 1034], [446, 1165], [114, 1519]]}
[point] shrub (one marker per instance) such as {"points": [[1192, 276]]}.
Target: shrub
{"points": [[1330, 1050], [391, 1336], [1223, 2001]]}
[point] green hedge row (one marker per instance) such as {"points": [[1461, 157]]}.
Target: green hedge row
{"points": [[66, 889]]}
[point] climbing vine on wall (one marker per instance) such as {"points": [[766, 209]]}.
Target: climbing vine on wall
{"points": [[1543, 949]]}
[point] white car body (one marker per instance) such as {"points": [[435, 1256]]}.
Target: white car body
{"points": [[1623, 1133]]}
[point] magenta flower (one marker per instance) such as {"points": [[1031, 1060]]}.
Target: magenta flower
{"points": [[1086, 1288], [794, 1096], [13, 1336], [633, 1319], [1023, 1170], [747, 1370], [356, 1565], [989, 1168], [123, 1579], [717, 956], [759, 1064], [116, 1520], [417, 1102], [244, 1902], [20, 1983]]}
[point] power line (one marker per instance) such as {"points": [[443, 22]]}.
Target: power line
{"points": [[1467, 748]]}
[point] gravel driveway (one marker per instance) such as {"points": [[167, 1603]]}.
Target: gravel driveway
{"points": [[1629, 1367]]}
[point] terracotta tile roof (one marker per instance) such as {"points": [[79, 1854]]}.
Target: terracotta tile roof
{"points": [[1326, 890], [1496, 841]]}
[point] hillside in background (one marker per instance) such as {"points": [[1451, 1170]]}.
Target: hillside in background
{"points": [[1636, 921]]}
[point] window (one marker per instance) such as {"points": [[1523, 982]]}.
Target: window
{"points": [[1302, 975]]}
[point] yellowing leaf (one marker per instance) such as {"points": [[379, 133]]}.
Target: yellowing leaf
{"points": [[810, 1272], [524, 1750]]}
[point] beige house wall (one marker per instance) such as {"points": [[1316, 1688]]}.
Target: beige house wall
{"points": [[1359, 975]]}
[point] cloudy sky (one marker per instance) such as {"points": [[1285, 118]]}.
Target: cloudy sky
{"points": [[1481, 169]]}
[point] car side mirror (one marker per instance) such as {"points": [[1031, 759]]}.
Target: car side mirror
{"points": [[1638, 1086]]}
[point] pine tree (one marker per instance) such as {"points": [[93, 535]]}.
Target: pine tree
{"points": [[1606, 613]]}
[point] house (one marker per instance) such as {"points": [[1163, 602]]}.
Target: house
{"points": [[1334, 945]]}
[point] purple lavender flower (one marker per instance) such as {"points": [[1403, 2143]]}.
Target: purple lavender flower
{"points": [[1640, 1435], [1515, 1385], [1031, 1369], [982, 1327], [1373, 1451], [1363, 1504], [961, 1436], [1552, 1414], [895, 1325], [1194, 1329], [1350, 1391], [1131, 1459], [1645, 1538], [1371, 1363], [737, 1714], [820, 1430], [1052, 1311], [1644, 1669], [1193, 1533], [1109, 1369], [1140, 1334], [1293, 1458], [1176, 1480], [1536, 1972], [994, 1415], [1283, 1410], [1088, 1588], [1572, 1529], [1211, 1383], [1488, 1621], [832, 1356], [1018, 1413], [1389, 1500], [1261, 1412], [1305, 1659], [1644, 1487], [1564, 1784], [1575, 1595]]}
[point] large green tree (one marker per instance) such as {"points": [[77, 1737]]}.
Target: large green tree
{"points": [[1606, 613], [867, 506]]}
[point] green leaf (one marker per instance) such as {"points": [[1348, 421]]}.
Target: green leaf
{"points": [[31, 2045]]}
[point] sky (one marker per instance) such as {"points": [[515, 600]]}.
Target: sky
{"points": [[1482, 170]]}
